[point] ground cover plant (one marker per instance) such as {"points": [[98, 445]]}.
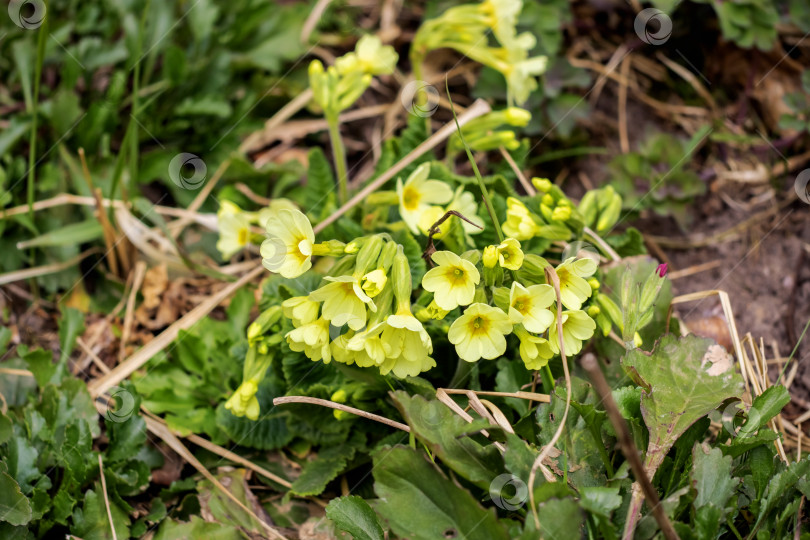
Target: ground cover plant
{"points": [[373, 269]]}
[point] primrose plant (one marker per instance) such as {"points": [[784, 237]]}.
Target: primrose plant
{"points": [[365, 309]]}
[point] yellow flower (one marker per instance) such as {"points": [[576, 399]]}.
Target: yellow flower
{"points": [[527, 306], [312, 339], [534, 350], [234, 229], [344, 302], [519, 223], [340, 351], [503, 15], [370, 56], [577, 327], [452, 282], [574, 289], [406, 344], [374, 282], [368, 349], [418, 194], [243, 402], [300, 310], [480, 333], [509, 254], [275, 206], [289, 246]]}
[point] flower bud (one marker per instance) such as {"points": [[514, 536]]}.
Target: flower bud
{"points": [[548, 200], [543, 185], [368, 254], [401, 274], [515, 116], [490, 258], [594, 283], [561, 213]]}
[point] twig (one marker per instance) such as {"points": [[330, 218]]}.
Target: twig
{"points": [[144, 354], [551, 277], [591, 366], [530, 191], [341, 407], [476, 109], [602, 244], [434, 229], [37, 271], [106, 498]]}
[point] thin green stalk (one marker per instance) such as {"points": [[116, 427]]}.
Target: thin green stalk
{"points": [[484, 191], [339, 155], [548, 379], [421, 96], [462, 374], [32, 146], [136, 83]]}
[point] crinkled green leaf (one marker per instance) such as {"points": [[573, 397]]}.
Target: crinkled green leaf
{"points": [[438, 427], [421, 503], [324, 468], [353, 515], [90, 522], [15, 508], [683, 379], [711, 477]]}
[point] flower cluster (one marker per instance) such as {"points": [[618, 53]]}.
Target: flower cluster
{"points": [[548, 219], [337, 87], [525, 308], [466, 28]]}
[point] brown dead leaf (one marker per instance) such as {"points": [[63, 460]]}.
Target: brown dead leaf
{"points": [[154, 283]]}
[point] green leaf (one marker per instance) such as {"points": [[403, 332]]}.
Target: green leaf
{"points": [[90, 522], [560, 518], [71, 326], [711, 477], [782, 484], [21, 461], [421, 503], [438, 428], [600, 500], [222, 508], [68, 235], [353, 515], [765, 406], [41, 364], [320, 186], [682, 380], [197, 528], [269, 431], [15, 508], [316, 474]]}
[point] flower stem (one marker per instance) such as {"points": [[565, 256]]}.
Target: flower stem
{"points": [[339, 156], [462, 374], [484, 190], [548, 379]]}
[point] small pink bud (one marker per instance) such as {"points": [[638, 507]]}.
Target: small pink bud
{"points": [[661, 270]]}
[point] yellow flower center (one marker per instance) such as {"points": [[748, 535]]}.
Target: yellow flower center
{"points": [[411, 198], [242, 236], [480, 326], [523, 304]]}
